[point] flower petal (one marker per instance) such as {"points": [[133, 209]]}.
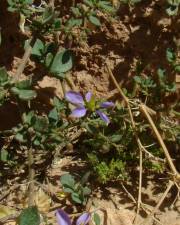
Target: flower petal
{"points": [[79, 112], [62, 217], [103, 116], [107, 104], [83, 219], [88, 96], [74, 98]]}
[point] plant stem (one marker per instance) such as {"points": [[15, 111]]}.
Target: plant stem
{"points": [[24, 59], [160, 140], [31, 177], [141, 147]]}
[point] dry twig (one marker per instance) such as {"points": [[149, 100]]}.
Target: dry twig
{"points": [[148, 219], [141, 147], [161, 142]]}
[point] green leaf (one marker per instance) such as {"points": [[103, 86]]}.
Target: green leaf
{"points": [[58, 104], [3, 93], [10, 2], [171, 87], [76, 198], [41, 123], [85, 178], [172, 10], [137, 79], [62, 62], [177, 68], [48, 59], [53, 114], [3, 75], [89, 3], [4, 155], [57, 24], [97, 219], [38, 48], [73, 22], [68, 180], [94, 20], [68, 189], [24, 94], [86, 191], [161, 73], [76, 11], [170, 55], [29, 216], [29, 1], [24, 84], [48, 14], [106, 6], [20, 137], [27, 118], [11, 9], [116, 138]]}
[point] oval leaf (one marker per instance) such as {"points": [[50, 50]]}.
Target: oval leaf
{"points": [[29, 216], [62, 62], [94, 20]]}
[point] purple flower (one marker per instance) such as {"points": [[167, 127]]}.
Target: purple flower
{"points": [[87, 103], [63, 218]]}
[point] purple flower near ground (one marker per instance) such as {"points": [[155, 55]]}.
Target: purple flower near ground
{"points": [[63, 218], [87, 103]]}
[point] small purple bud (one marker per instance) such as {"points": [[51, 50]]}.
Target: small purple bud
{"points": [[107, 104], [88, 96], [83, 219], [79, 112], [62, 217], [74, 98], [103, 116]]}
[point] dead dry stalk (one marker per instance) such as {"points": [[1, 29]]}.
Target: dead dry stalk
{"points": [[150, 216], [160, 140], [145, 110], [141, 147]]}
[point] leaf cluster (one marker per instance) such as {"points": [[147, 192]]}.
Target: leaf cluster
{"points": [[78, 191], [57, 63], [21, 89]]}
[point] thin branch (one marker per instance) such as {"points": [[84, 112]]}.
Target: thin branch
{"points": [[70, 81], [160, 140], [151, 156], [31, 177], [9, 191], [24, 60], [147, 220], [128, 193], [141, 147]]}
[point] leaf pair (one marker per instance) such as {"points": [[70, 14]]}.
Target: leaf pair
{"points": [[57, 64], [78, 191], [22, 90]]}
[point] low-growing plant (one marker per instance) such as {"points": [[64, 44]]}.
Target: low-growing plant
{"points": [[78, 191], [109, 132], [21, 89]]}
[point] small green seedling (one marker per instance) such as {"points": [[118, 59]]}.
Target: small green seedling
{"points": [[78, 190]]}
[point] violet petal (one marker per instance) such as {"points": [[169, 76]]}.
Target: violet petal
{"points": [[79, 112], [62, 217], [74, 98], [83, 219], [103, 116], [88, 96], [107, 104]]}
